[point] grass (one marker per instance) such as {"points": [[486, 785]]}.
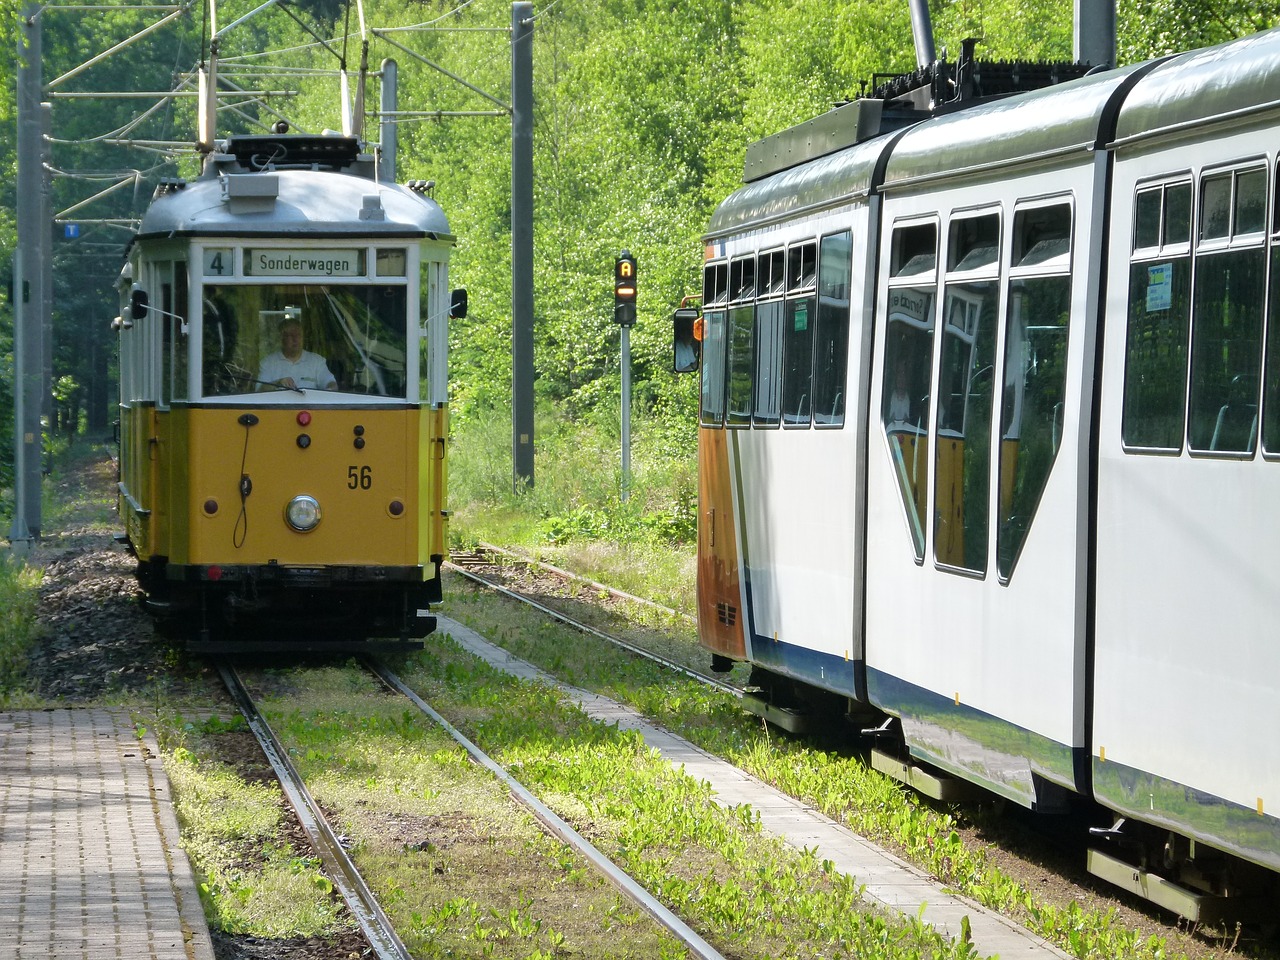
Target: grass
{"points": [[19, 586], [253, 879], [462, 873], [73, 501], [841, 786], [574, 515], [460, 870]]}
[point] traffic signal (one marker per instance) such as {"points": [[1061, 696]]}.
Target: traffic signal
{"points": [[624, 290]]}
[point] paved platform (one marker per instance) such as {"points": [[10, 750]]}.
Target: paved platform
{"points": [[90, 867], [886, 880]]}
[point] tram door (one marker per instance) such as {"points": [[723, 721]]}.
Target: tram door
{"points": [[720, 626]]}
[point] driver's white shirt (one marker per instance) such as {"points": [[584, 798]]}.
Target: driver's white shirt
{"points": [[309, 370]]}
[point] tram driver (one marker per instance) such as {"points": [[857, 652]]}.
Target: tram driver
{"points": [[292, 367]]}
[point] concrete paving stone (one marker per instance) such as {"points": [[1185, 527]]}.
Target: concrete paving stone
{"points": [[87, 830]]}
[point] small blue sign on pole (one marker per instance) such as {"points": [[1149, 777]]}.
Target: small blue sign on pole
{"points": [[70, 231]]}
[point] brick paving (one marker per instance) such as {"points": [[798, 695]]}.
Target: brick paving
{"points": [[90, 867]]}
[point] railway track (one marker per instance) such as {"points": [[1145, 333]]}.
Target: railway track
{"points": [[472, 567], [1044, 845], [344, 872]]}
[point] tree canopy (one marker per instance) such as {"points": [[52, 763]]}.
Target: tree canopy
{"points": [[643, 112]]}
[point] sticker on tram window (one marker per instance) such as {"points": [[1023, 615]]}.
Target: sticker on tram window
{"points": [[389, 263], [800, 318], [219, 262], [281, 262], [1159, 287]]}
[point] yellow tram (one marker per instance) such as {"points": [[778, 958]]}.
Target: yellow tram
{"points": [[283, 347]]}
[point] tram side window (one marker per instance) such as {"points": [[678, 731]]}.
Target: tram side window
{"points": [[1226, 314], [715, 297], [797, 334], [908, 363], [1035, 371], [181, 329], [771, 280], [164, 317], [966, 386], [742, 318], [831, 335], [173, 342], [1155, 376]]}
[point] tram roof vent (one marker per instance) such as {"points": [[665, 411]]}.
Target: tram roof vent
{"points": [[293, 151], [168, 185], [834, 130], [372, 208], [250, 192]]}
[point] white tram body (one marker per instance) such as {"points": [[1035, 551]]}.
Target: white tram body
{"points": [[1004, 468]]}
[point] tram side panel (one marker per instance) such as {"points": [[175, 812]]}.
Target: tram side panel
{"points": [[977, 434], [1187, 664], [779, 480]]}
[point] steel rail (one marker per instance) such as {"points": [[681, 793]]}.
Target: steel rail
{"points": [[553, 822], [346, 877], [594, 584], [608, 638]]}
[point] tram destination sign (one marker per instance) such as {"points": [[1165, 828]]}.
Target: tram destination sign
{"points": [[283, 262]]}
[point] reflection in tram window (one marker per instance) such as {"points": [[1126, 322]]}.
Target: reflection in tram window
{"points": [[1271, 409], [360, 332], [771, 281], [908, 363], [797, 334], [742, 318], [1226, 317], [831, 336], [1035, 372], [1155, 381], [715, 294], [966, 385]]}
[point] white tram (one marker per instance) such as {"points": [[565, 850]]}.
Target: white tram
{"points": [[990, 424]]}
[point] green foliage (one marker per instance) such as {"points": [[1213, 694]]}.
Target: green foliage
{"points": [[18, 598], [643, 113]]}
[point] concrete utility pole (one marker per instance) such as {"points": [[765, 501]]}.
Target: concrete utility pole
{"points": [[29, 297], [1095, 32], [522, 245], [387, 102]]}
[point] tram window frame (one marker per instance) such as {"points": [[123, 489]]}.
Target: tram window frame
{"points": [[831, 331], [1042, 247], [1154, 391], [1269, 426], [771, 285], [799, 318], [962, 528], [740, 362], [907, 367], [1224, 390], [715, 299]]}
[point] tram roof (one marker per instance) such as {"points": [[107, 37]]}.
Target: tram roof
{"points": [[1060, 120], [829, 181], [305, 204], [1231, 80]]}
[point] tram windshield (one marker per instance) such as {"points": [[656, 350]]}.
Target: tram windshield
{"points": [[342, 338]]}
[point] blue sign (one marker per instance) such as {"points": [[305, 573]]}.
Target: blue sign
{"points": [[70, 231]]}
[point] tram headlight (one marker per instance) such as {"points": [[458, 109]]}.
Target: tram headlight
{"points": [[302, 513]]}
